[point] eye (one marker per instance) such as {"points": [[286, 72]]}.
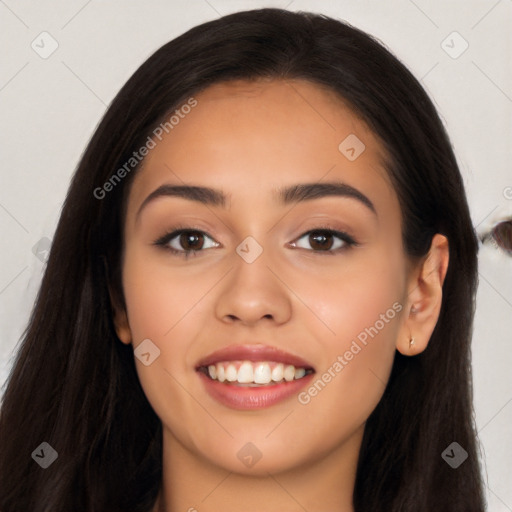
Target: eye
{"points": [[500, 236], [185, 241], [323, 240]]}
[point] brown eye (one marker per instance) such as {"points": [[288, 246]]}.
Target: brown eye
{"points": [[186, 242], [191, 240], [501, 236], [321, 240]]}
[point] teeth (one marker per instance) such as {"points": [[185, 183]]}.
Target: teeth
{"points": [[278, 373], [231, 373], [299, 373], [262, 373], [245, 373], [289, 373]]}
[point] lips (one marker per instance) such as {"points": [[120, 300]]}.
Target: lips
{"points": [[252, 376]]}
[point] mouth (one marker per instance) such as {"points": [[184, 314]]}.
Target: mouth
{"points": [[253, 376]]}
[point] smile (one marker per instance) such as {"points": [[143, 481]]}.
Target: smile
{"points": [[252, 376]]}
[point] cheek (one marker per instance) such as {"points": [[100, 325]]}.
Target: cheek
{"points": [[157, 298], [362, 308], [362, 294], [168, 310]]}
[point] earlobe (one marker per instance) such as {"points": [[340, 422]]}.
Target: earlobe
{"points": [[120, 319], [425, 298], [122, 326]]}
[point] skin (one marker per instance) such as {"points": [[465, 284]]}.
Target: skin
{"points": [[248, 139]]}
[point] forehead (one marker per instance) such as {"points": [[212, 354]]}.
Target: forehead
{"points": [[251, 137]]}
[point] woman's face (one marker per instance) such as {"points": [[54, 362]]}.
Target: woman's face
{"points": [[267, 284]]}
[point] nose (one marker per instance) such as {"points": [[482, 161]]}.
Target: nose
{"points": [[253, 292]]}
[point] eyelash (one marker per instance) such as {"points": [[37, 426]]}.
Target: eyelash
{"points": [[162, 242]]}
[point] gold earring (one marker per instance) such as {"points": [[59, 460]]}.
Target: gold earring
{"points": [[411, 342]]}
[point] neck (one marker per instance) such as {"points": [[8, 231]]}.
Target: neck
{"points": [[194, 484]]}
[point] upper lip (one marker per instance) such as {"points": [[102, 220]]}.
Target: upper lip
{"points": [[253, 353]]}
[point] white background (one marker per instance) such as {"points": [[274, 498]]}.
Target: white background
{"points": [[51, 106]]}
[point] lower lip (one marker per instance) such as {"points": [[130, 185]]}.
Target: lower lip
{"points": [[243, 398]]}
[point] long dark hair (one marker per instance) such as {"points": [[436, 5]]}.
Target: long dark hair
{"points": [[74, 384]]}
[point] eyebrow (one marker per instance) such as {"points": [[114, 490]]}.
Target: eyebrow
{"points": [[286, 196]]}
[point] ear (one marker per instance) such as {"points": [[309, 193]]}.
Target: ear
{"points": [[120, 319], [424, 299]]}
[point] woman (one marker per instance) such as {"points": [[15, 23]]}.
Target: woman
{"points": [[260, 291]]}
